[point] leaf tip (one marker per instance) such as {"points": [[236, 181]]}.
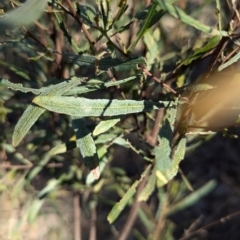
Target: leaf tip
{"points": [[96, 173]]}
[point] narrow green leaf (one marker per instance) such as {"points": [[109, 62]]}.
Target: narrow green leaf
{"points": [[146, 25], [19, 87], [66, 33], [90, 88], [87, 14], [178, 13], [199, 52], [149, 188], [104, 138], [17, 70], [29, 12], [33, 112], [178, 156], [83, 107], [164, 149], [33, 210], [118, 207], [229, 62], [51, 186], [194, 197], [199, 87], [106, 63], [61, 148], [86, 145], [103, 126]]}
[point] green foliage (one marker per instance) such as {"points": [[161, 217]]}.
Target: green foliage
{"points": [[101, 75]]}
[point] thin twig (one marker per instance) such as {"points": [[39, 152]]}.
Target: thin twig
{"points": [[208, 226], [77, 18], [152, 139], [77, 216], [93, 230], [158, 80]]}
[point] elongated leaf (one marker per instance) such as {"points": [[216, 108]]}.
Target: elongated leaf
{"points": [[86, 145], [19, 87], [178, 156], [107, 62], [103, 126], [229, 62], [164, 149], [152, 15], [30, 11], [194, 197], [118, 207], [66, 33], [52, 185], [83, 107], [17, 70], [33, 210], [199, 87], [90, 88], [199, 52], [178, 13], [149, 188], [87, 14], [33, 112]]}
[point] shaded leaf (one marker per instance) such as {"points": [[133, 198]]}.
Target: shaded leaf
{"points": [[178, 13], [86, 145], [194, 197], [152, 17], [101, 85], [24, 15], [118, 207], [199, 52], [165, 167], [106, 62]]}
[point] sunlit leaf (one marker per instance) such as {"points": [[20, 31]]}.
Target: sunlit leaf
{"points": [[199, 87], [149, 188], [33, 112], [83, 107], [51, 186], [103, 126]]}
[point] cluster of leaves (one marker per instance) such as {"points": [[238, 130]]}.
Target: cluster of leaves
{"points": [[85, 61]]}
